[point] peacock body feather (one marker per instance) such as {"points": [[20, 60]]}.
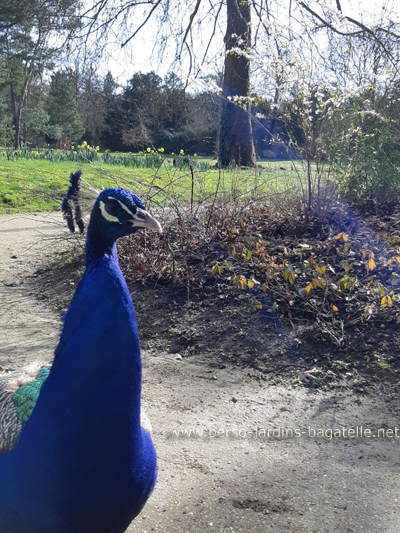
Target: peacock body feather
{"points": [[83, 463], [19, 391]]}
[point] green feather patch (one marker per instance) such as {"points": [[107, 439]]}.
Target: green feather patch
{"points": [[26, 396]]}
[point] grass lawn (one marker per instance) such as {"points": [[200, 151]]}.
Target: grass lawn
{"points": [[29, 185]]}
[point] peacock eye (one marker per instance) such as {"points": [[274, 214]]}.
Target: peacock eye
{"points": [[112, 207]]}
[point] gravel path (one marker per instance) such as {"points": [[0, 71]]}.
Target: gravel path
{"points": [[219, 469]]}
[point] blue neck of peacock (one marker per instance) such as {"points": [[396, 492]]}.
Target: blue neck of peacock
{"points": [[101, 256], [98, 246]]}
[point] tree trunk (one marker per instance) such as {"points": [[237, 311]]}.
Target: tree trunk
{"points": [[94, 122], [15, 118], [17, 112], [236, 136], [16, 132]]}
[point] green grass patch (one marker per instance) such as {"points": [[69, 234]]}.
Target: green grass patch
{"points": [[31, 184]]}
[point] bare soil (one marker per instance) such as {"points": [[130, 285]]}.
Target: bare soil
{"points": [[242, 407]]}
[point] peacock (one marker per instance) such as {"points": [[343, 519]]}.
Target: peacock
{"points": [[77, 454]]}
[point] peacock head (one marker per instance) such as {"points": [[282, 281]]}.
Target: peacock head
{"points": [[119, 212]]}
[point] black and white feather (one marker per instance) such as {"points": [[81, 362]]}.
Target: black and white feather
{"points": [[78, 201]]}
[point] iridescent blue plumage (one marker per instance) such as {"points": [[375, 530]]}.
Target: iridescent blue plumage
{"points": [[124, 195], [83, 463]]}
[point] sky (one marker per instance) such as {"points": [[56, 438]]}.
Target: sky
{"points": [[141, 53], [138, 54]]}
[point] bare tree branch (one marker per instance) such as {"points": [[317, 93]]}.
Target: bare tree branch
{"points": [[326, 24], [213, 32], [192, 16], [363, 29], [143, 23], [258, 12]]}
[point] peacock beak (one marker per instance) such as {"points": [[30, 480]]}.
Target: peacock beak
{"points": [[142, 219]]}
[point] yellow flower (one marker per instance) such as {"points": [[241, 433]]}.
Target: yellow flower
{"points": [[172, 153], [79, 146], [84, 143], [148, 149], [72, 147], [194, 155], [106, 151], [161, 150], [181, 152], [152, 151], [97, 148]]}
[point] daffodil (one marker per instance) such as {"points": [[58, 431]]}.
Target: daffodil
{"points": [[148, 149], [194, 155], [72, 147], [152, 151], [181, 151], [172, 153], [97, 148], [161, 150]]}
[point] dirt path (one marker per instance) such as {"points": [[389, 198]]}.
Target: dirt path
{"points": [[219, 470], [28, 328]]}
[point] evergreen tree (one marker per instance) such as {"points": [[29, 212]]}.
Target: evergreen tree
{"points": [[112, 125], [170, 131], [142, 102], [174, 111], [25, 51], [63, 108]]}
